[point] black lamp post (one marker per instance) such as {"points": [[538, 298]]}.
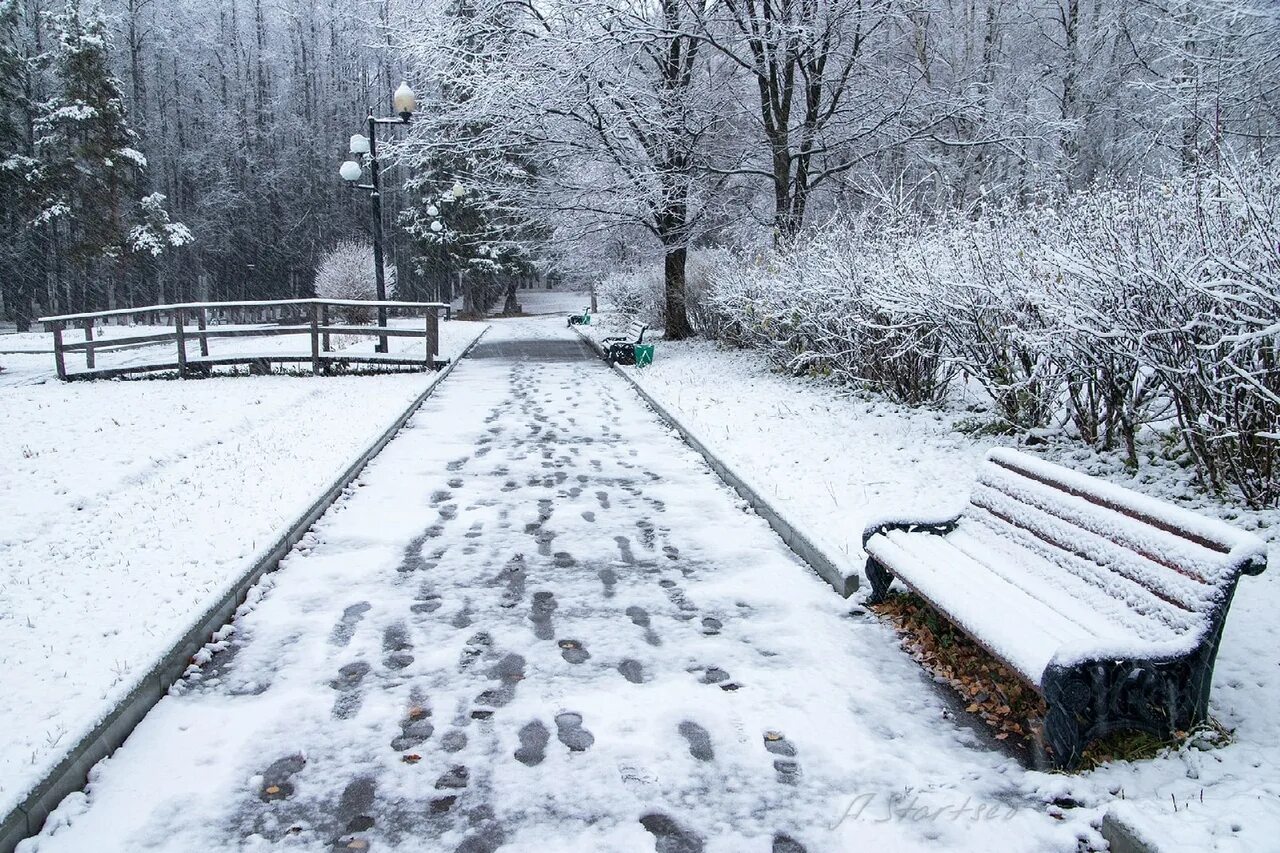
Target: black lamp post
{"points": [[405, 103]]}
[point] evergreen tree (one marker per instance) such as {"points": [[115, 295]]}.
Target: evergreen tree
{"points": [[456, 231], [16, 275], [88, 168]]}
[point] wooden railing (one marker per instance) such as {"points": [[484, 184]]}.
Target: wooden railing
{"points": [[200, 321]]}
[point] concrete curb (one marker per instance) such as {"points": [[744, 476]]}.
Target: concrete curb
{"points": [[70, 773], [842, 577], [1123, 836]]}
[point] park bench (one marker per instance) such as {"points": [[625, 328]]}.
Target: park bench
{"points": [[621, 349], [1110, 604], [583, 319]]}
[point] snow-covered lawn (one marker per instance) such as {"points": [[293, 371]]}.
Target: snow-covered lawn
{"points": [[833, 459], [126, 508]]}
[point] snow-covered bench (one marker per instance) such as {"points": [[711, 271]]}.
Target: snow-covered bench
{"points": [[621, 349], [583, 319], [1109, 603]]}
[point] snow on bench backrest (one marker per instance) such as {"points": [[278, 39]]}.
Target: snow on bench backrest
{"points": [[635, 330], [1146, 552]]}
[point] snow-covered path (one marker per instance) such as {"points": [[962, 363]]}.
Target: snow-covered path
{"points": [[540, 622]]}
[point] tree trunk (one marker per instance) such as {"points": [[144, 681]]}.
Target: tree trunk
{"points": [[509, 305], [677, 320]]}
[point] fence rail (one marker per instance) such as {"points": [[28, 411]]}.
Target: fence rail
{"points": [[205, 321]]}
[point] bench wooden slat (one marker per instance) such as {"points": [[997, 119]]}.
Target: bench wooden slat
{"points": [[1174, 555], [1170, 615], [1166, 525], [1185, 590]]}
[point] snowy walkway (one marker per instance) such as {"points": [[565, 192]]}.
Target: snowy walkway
{"points": [[541, 623]]}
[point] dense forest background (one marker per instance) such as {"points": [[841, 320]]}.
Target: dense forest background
{"points": [[242, 110], [155, 150]]}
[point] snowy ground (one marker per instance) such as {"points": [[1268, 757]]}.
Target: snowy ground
{"points": [[562, 302], [551, 627], [538, 301], [833, 460], [126, 508]]}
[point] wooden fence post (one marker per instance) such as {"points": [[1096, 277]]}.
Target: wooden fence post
{"points": [[182, 343], [88, 337], [432, 341], [59, 356], [315, 340], [203, 322], [324, 321]]}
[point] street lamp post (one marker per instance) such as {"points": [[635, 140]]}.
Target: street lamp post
{"points": [[405, 103]]}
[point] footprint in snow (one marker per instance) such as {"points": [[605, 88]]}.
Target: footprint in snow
{"points": [[415, 728], [785, 765], [533, 743], [347, 684], [544, 604], [395, 641], [427, 601], [632, 670], [573, 651], [462, 618], [699, 740], [783, 843], [513, 575], [346, 627], [609, 579], [669, 836], [640, 617], [571, 733], [624, 550], [477, 645], [275, 779], [509, 671]]}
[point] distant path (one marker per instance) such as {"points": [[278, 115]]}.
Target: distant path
{"points": [[541, 622]]}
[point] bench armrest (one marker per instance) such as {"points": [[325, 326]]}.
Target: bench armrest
{"points": [[1255, 567], [939, 525]]}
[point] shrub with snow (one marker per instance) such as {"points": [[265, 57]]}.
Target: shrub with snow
{"points": [[1124, 308], [347, 272], [636, 292]]}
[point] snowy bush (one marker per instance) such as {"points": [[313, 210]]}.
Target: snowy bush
{"points": [[1116, 310], [820, 308], [636, 292], [347, 272]]}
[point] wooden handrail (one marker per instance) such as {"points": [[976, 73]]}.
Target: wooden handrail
{"points": [[315, 323], [261, 303]]}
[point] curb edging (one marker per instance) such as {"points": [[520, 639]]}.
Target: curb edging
{"points": [[28, 817], [828, 568], [1123, 837]]}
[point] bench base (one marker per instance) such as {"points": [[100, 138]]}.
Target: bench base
{"points": [[1091, 700]]}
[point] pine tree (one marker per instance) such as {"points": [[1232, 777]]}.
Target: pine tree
{"points": [[16, 274], [456, 232], [89, 168]]}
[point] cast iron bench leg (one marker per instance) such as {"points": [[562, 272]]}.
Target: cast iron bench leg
{"points": [[880, 578]]}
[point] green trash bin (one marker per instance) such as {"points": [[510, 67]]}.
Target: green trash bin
{"points": [[644, 354]]}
